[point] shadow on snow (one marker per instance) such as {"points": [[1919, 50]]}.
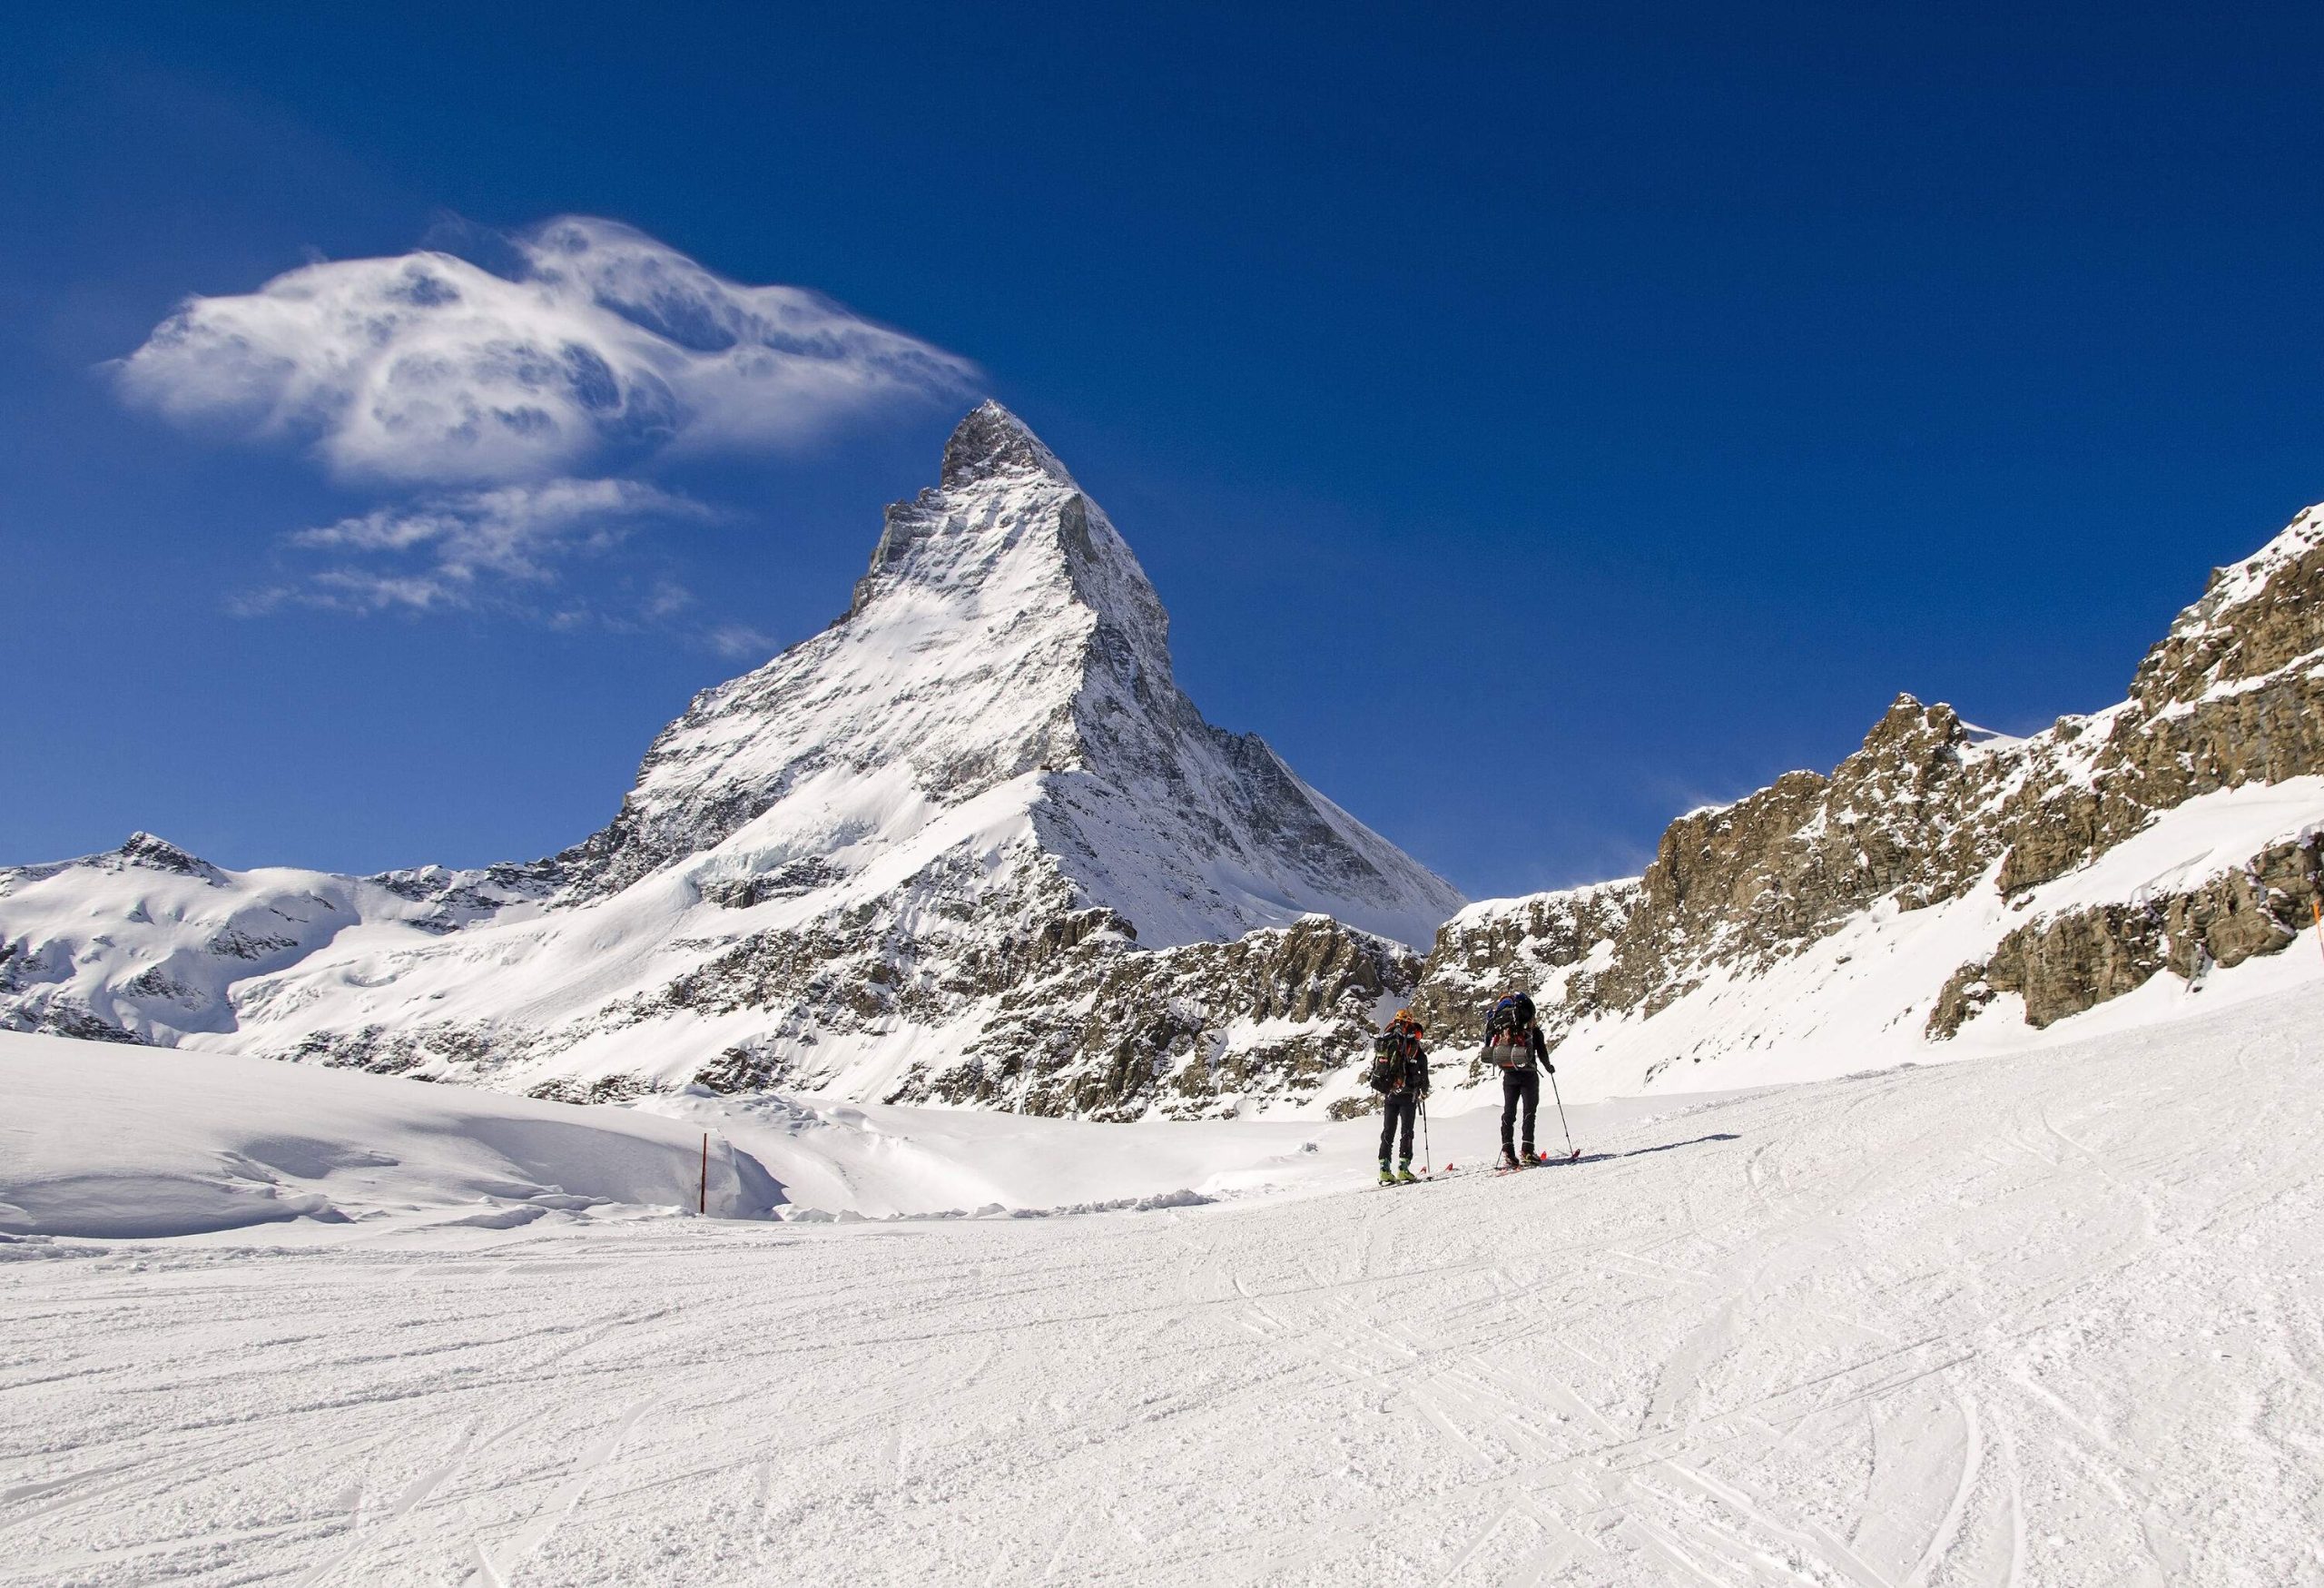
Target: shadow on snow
{"points": [[1642, 1151]]}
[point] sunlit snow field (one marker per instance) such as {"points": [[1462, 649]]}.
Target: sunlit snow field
{"points": [[2047, 1318]]}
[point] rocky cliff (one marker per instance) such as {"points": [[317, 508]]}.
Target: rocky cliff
{"points": [[2001, 846]]}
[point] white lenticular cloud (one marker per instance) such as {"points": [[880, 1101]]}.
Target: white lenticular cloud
{"points": [[605, 344]]}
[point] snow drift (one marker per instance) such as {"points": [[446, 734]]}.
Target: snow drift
{"points": [[130, 1143]]}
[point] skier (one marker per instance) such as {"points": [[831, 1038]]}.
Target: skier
{"points": [[1400, 1075], [1514, 1044]]}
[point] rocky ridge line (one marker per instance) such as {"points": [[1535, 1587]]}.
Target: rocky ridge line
{"points": [[1929, 809]]}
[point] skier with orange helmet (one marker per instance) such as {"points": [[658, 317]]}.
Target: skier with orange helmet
{"points": [[1399, 1074]]}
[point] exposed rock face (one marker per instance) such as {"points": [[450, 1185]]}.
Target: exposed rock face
{"points": [[1791, 861], [1113, 1032], [2229, 696], [971, 842], [1929, 811], [1736, 887], [2065, 964], [1536, 945]]}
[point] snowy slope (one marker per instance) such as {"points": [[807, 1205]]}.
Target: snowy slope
{"points": [[2043, 1319], [128, 1141], [831, 871]]}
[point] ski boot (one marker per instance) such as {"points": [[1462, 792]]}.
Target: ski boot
{"points": [[1507, 1162], [1404, 1175], [1528, 1157], [1386, 1178]]}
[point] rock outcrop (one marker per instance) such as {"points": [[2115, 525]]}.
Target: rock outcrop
{"points": [[2065, 964], [1187, 1033]]}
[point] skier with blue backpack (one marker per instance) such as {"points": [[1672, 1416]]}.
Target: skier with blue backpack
{"points": [[1399, 1073], [1514, 1045]]}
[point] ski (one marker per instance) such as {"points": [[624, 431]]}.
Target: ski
{"points": [[1539, 1161], [1452, 1171]]}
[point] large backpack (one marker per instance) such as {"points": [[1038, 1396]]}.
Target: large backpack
{"points": [[1509, 1032], [1387, 1060]]}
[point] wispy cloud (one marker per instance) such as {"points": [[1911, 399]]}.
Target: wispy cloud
{"points": [[507, 548], [595, 344], [739, 642]]}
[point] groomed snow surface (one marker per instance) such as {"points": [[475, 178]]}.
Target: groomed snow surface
{"points": [[2053, 1318]]}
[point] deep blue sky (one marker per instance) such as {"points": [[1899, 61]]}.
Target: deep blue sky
{"points": [[1537, 421]]}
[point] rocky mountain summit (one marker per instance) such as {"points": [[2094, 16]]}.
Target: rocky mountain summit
{"points": [[970, 842]]}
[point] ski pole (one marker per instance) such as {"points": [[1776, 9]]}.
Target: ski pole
{"points": [[1427, 1153], [1571, 1152], [2316, 902]]}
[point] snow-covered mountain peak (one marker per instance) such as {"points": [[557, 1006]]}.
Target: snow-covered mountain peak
{"points": [[157, 854], [1005, 639], [992, 442], [897, 856], [996, 603], [142, 851], [1007, 537]]}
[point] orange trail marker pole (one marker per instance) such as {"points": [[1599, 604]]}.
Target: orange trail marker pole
{"points": [[702, 1201]]}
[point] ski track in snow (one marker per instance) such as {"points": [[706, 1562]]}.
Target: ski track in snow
{"points": [[2039, 1319]]}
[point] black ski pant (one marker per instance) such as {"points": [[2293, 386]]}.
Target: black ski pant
{"points": [[1519, 1086], [1397, 1105]]}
